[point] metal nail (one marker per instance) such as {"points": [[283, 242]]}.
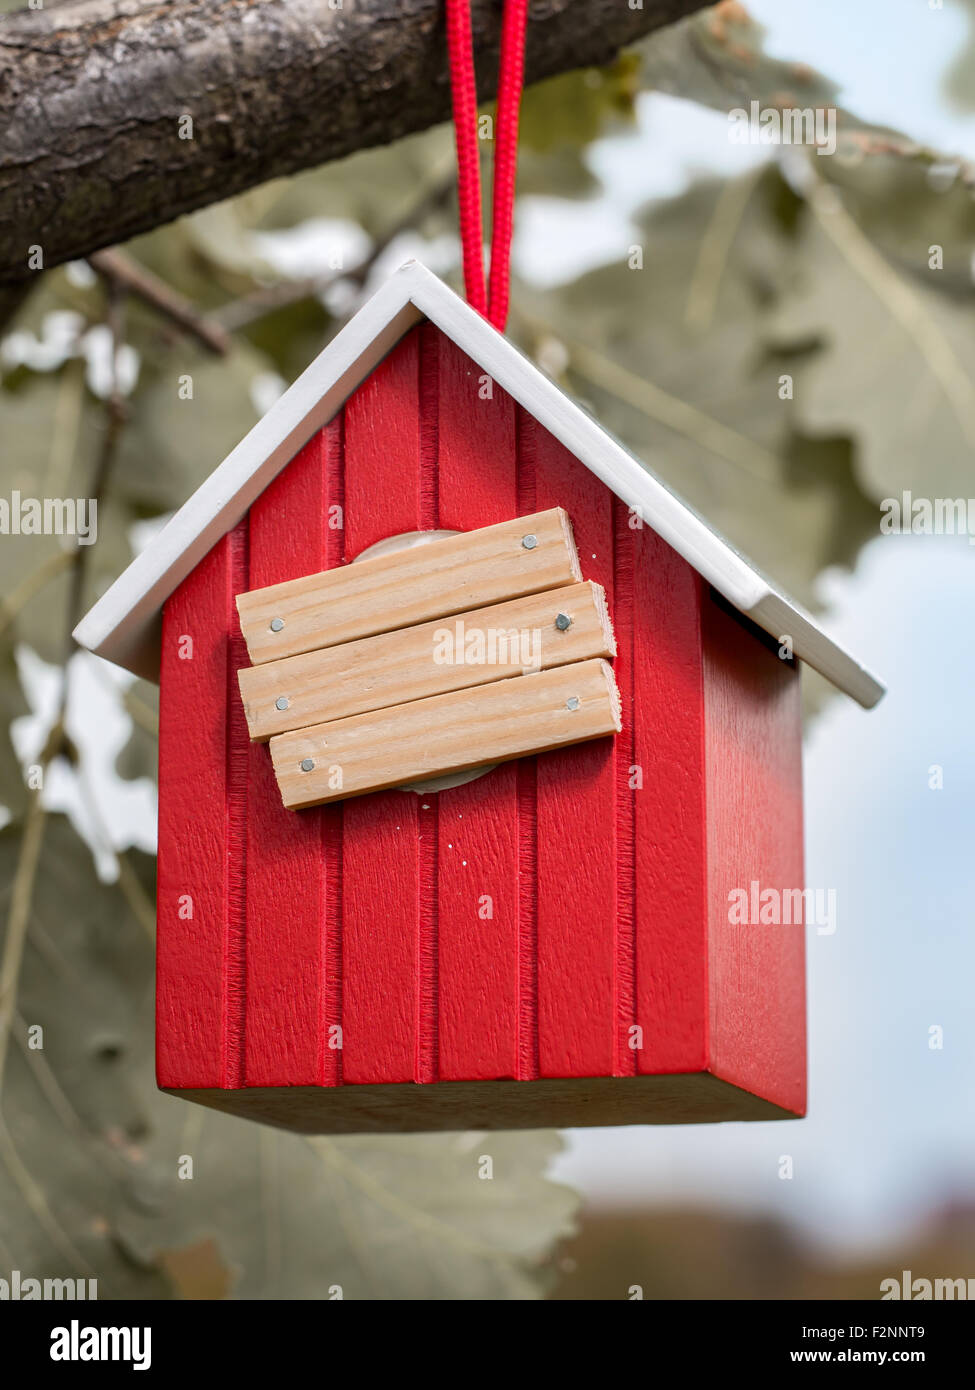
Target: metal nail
{"points": [[277, 624], [572, 702], [307, 764], [529, 542], [281, 702], [563, 621]]}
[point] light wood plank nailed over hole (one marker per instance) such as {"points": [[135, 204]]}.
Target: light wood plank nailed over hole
{"points": [[473, 648], [409, 586], [512, 718]]}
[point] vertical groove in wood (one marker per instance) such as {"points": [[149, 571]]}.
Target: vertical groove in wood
{"points": [[429, 425], [623, 622], [428, 838], [527, 921], [332, 823], [235, 993], [427, 1011], [527, 815]]}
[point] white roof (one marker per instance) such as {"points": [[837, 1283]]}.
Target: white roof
{"points": [[124, 624]]}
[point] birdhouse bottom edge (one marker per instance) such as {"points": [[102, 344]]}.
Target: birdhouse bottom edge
{"points": [[548, 1103]]}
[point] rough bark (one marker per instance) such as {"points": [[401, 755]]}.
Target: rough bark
{"points": [[92, 93]]}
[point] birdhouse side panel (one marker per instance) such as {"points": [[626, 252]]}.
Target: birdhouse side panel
{"points": [[756, 956]]}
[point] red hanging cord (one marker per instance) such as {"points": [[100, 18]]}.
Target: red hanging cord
{"points": [[493, 303]]}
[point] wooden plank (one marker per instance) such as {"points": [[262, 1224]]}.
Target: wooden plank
{"points": [[192, 1043], [390, 591], [381, 884], [512, 718], [285, 862], [756, 969], [473, 648], [478, 872], [576, 827]]}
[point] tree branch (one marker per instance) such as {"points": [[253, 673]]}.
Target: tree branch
{"points": [[94, 144]]}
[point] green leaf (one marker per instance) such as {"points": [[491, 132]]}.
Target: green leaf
{"points": [[894, 368], [291, 337], [911, 206]]}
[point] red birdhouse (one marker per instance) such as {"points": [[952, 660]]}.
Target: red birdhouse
{"points": [[544, 942]]}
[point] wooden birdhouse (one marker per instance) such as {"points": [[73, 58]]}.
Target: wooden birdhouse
{"points": [[403, 893]]}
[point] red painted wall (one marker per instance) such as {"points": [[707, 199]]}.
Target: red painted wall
{"points": [[518, 926]]}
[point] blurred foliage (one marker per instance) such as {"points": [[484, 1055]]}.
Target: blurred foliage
{"points": [[960, 84], [698, 1254], [811, 271]]}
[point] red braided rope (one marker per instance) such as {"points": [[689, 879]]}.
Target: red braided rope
{"points": [[510, 78], [463, 87], [493, 305]]}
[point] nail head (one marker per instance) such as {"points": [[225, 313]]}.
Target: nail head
{"points": [[572, 702], [277, 624], [281, 702], [307, 764], [529, 542], [563, 621]]}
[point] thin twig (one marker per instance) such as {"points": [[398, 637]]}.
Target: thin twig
{"points": [[141, 713], [22, 593], [130, 886], [241, 312], [36, 1202], [715, 248], [18, 916], [141, 283]]}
